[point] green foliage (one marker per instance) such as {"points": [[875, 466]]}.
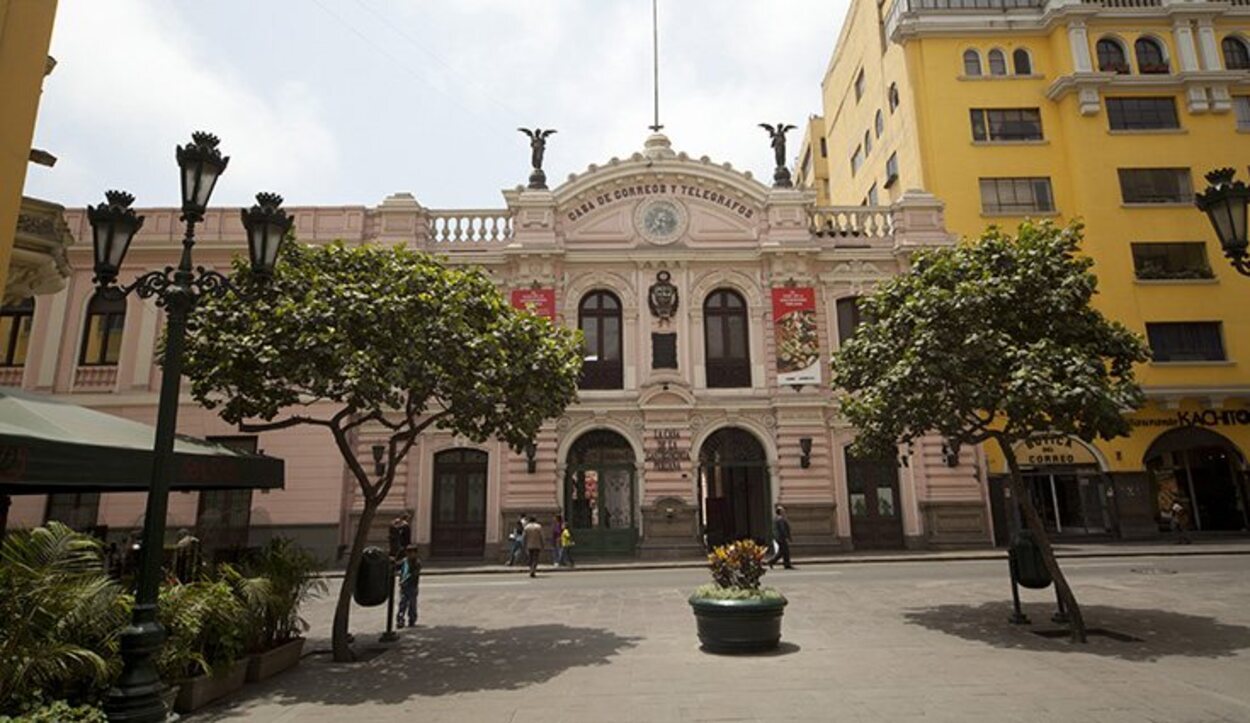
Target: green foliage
{"points": [[57, 711], [376, 330], [994, 337], [712, 591], [738, 565], [206, 626], [61, 616], [292, 574]]}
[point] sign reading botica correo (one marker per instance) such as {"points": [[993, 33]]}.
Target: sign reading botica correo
{"points": [[659, 189]]}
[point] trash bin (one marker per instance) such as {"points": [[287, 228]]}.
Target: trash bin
{"points": [[1027, 562], [373, 580]]}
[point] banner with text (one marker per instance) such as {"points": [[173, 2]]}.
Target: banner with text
{"points": [[539, 302], [794, 324]]}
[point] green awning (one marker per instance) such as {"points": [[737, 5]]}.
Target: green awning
{"points": [[47, 445]]}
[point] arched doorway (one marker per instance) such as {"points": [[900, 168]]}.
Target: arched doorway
{"points": [[459, 525], [1202, 469], [733, 488], [600, 494], [873, 499]]}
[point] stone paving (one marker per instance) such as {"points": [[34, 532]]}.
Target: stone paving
{"points": [[898, 642]]}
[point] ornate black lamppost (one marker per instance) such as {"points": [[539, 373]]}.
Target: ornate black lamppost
{"points": [[137, 695], [1225, 202]]}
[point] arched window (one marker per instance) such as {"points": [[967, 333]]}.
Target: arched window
{"points": [[1150, 58], [599, 317], [1111, 56], [972, 63], [867, 143], [1236, 53], [998, 62], [728, 360], [1021, 61], [879, 124], [893, 95], [15, 323], [102, 335]]}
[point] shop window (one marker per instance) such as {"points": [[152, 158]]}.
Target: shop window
{"points": [[972, 64], [599, 317], [1150, 57], [1236, 53], [1111, 57], [1021, 61], [728, 360], [997, 62], [15, 323], [849, 318], [1241, 108], [1171, 261], [1006, 124], [76, 510], [1156, 185], [891, 170], [1135, 114], [102, 338], [1186, 341], [1016, 195], [859, 85], [878, 124]]}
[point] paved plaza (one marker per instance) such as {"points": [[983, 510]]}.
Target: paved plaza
{"points": [[902, 641]]}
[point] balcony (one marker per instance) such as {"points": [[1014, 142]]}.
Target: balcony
{"points": [[40, 263]]}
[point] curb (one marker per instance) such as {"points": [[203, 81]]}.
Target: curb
{"points": [[989, 555]]}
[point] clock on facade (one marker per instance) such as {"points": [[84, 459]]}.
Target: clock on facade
{"points": [[660, 221]]}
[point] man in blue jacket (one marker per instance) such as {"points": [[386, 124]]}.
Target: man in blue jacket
{"points": [[409, 580], [781, 536]]}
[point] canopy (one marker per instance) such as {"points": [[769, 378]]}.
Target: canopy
{"points": [[47, 445]]}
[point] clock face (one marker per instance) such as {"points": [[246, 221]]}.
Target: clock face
{"points": [[660, 221]]}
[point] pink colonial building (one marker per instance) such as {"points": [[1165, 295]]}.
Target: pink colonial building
{"points": [[710, 305]]}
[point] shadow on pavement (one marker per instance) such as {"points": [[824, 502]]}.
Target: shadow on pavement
{"points": [[437, 661], [1162, 632]]}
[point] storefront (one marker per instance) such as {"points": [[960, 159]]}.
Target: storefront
{"points": [[1203, 471]]}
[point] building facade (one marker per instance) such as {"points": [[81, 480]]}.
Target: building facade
{"points": [[710, 304], [1107, 111]]}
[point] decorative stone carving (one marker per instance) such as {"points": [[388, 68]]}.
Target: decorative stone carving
{"points": [[662, 297]]}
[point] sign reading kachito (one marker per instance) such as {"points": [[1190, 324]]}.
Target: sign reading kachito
{"points": [[798, 348]]}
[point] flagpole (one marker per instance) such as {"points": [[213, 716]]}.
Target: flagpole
{"points": [[655, 62]]}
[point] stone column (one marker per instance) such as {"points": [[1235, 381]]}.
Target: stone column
{"points": [[533, 219], [1078, 42], [919, 222], [1208, 48], [1183, 32]]}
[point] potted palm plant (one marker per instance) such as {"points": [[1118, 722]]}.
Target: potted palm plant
{"points": [[734, 613], [207, 628], [293, 580]]}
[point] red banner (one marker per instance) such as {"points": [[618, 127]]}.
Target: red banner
{"points": [[539, 302], [794, 325]]}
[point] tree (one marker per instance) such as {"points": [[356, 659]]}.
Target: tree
{"points": [[993, 339], [387, 337]]}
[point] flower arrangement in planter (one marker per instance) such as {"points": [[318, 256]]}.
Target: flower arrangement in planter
{"points": [[734, 613]]}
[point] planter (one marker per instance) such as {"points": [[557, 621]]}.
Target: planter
{"points": [[195, 693], [274, 661], [739, 626]]}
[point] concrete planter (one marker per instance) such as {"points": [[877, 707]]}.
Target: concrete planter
{"points": [[195, 693], [271, 662], [739, 626]]}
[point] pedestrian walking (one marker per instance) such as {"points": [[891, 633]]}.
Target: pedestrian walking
{"points": [[409, 586], [566, 547], [557, 550], [781, 537], [1179, 522], [533, 537], [516, 552], [399, 535]]}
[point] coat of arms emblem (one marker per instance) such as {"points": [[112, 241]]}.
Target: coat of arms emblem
{"points": [[662, 297]]}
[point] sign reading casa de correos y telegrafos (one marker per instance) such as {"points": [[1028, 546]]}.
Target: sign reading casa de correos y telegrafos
{"points": [[798, 348], [539, 302]]}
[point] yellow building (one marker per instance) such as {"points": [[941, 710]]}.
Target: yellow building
{"points": [[812, 166], [1109, 111]]}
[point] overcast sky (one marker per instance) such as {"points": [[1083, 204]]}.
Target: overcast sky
{"points": [[347, 101]]}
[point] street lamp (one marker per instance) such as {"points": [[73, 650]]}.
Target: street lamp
{"points": [[1224, 202], [137, 695]]}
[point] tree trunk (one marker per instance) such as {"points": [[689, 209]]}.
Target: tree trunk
{"points": [[1034, 522], [342, 612]]}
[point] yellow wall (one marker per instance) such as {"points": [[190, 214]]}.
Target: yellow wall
{"points": [[25, 33], [932, 133], [812, 169]]}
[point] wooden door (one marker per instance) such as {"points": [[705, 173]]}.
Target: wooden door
{"points": [[459, 524], [876, 517]]}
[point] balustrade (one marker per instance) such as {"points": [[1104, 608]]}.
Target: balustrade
{"points": [[470, 226], [95, 378], [856, 221]]}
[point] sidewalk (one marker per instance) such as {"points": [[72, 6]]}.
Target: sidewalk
{"points": [[1152, 548]]}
